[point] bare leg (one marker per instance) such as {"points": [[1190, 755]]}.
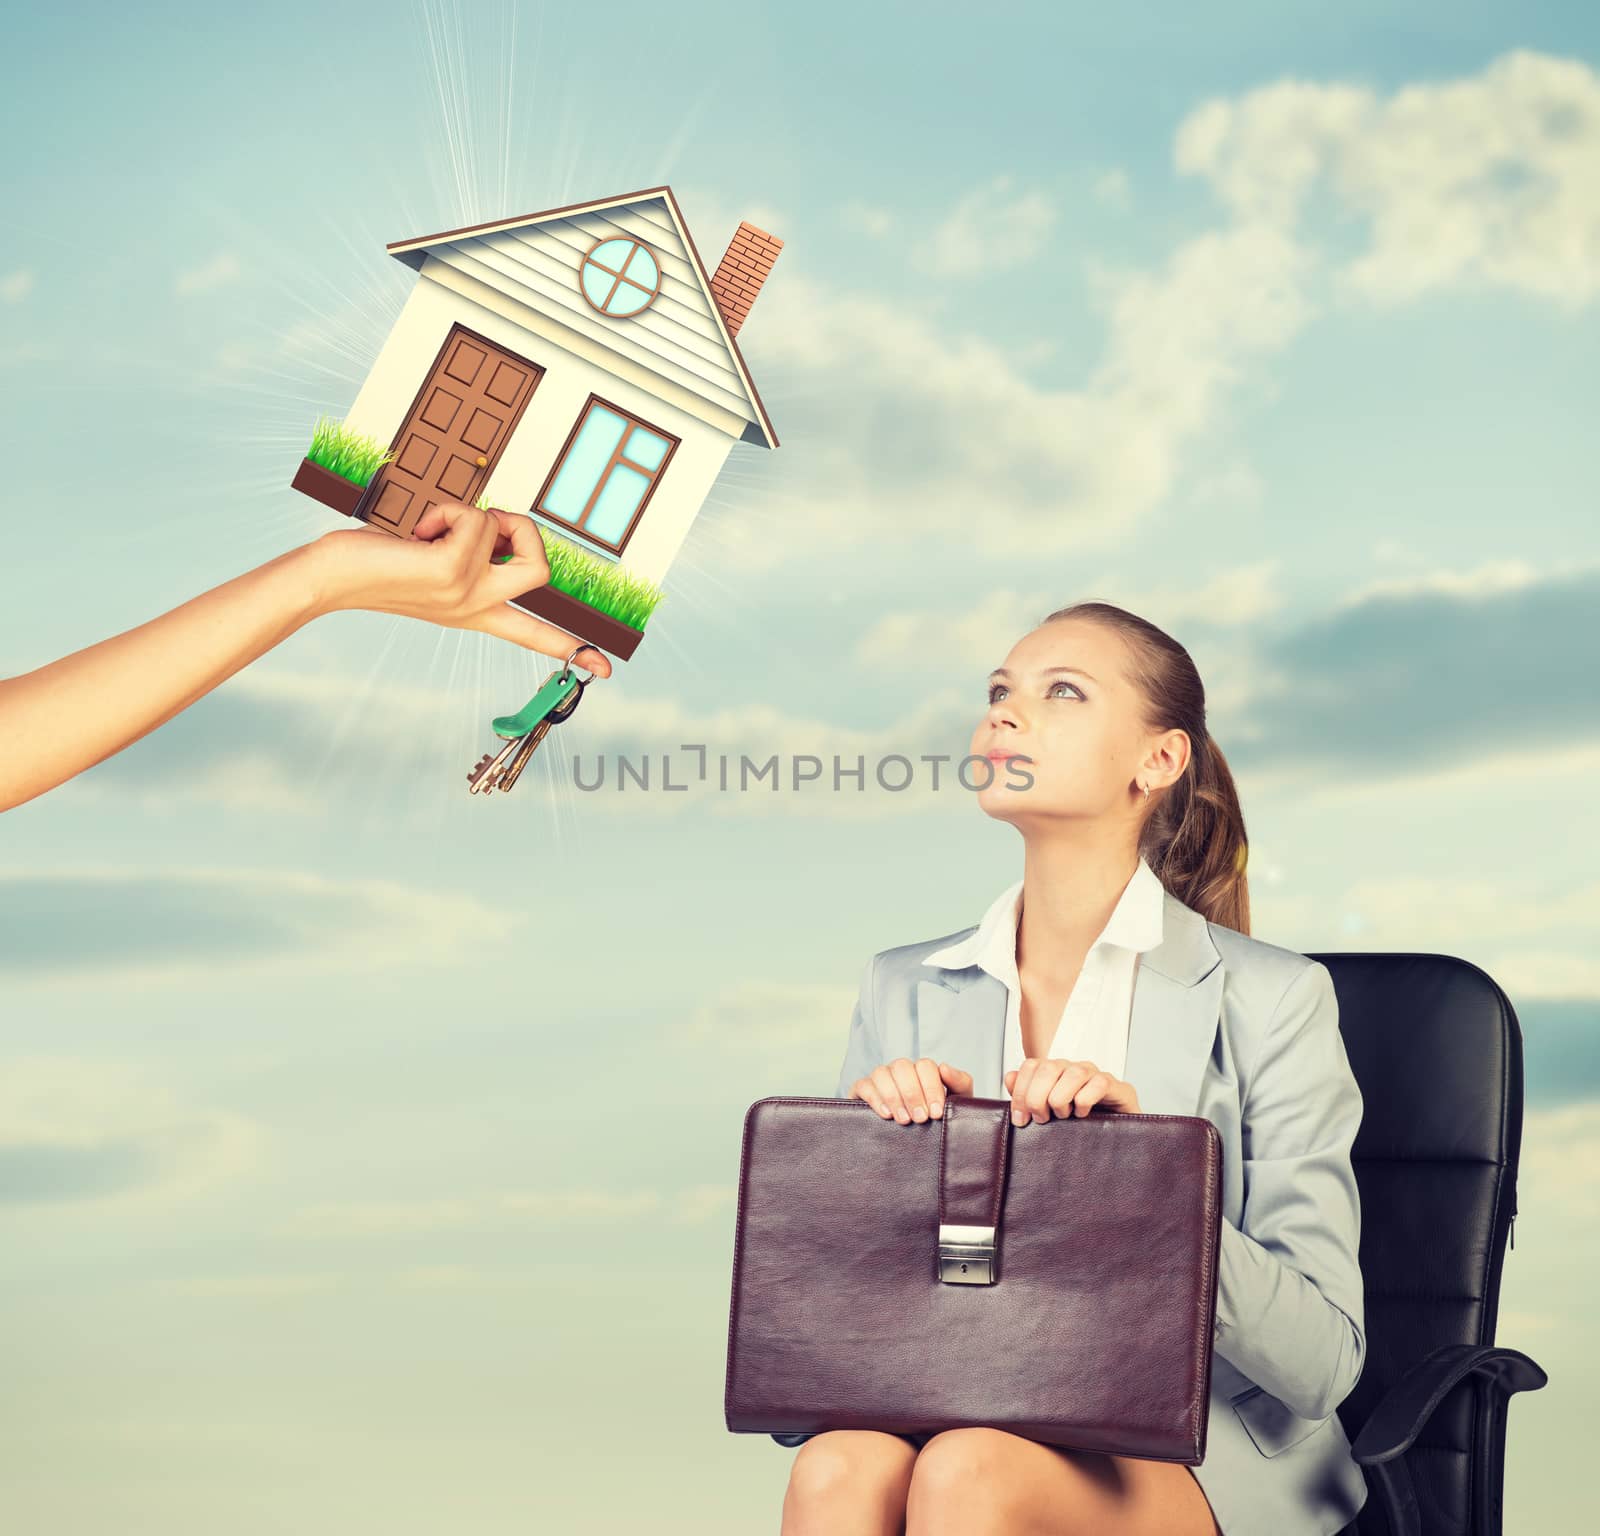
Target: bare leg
{"points": [[988, 1482], [849, 1482]]}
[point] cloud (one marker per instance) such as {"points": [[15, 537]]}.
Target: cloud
{"points": [[1485, 180], [992, 229], [1414, 676], [974, 639], [1559, 1169], [16, 286], [771, 1016], [908, 426], [216, 273], [1113, 189], [910, 430], [92, 926], [870, 218], [506, 1210], [74, 1129], [270, 740], [1560, 1039]]}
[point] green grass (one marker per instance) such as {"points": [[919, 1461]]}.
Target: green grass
{"points": [[603, 586], [345, 453]]}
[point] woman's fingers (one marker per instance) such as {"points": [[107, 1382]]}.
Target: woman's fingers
{"points": [[885, 1095], [1068, 1098], [528, 566], [932, 1086], [1019, 1091], [517, 625], [904, 1072], [955, 1079]]}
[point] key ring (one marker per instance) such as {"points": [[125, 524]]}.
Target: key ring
{"points": [[567, 665]]}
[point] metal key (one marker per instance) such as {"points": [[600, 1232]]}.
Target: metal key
{"points": [[483, 776], [519, 759], [556, 699]]}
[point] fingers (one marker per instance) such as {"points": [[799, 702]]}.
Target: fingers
{"points": [[517, 625], [1065, 1099], [528, 566], [1042, 1087], [900, 1088], [1037, 1080], [955, 1079], [484, 538], [441, 517]]}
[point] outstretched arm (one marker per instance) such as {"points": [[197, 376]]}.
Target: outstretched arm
{"points": [[73, 713]]}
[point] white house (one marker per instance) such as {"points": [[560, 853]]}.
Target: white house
{"points": [[579, 365]]}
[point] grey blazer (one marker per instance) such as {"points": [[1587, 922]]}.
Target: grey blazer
{"points": [[1246, 1034]]}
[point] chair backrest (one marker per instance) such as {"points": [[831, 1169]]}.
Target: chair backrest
{"points": [[1437, 1050]]}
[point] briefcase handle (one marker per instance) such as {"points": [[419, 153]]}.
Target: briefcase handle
{"points": [[974, 1158]]}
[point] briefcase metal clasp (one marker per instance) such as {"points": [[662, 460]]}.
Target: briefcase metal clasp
{"points": [[966, 1254]]}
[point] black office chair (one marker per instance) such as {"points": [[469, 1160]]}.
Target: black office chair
{"points": [[1437, 1050]]}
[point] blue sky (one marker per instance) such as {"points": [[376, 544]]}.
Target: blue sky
{"points": [[330, 1146]]}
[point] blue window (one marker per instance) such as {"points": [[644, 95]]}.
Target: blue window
{"points": [[620, 277], [605, 474]]}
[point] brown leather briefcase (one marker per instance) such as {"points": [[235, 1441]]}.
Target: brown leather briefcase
{"points": [[1058, 1281]]}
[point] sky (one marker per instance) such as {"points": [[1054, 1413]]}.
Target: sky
{"points": [[368, 1150]]}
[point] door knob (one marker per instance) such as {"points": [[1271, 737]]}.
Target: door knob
{"points": [[482, 462]]}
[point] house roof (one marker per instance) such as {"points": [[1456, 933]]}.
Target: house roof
{"points": [[414, 251]]}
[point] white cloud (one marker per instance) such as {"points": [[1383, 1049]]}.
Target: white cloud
{"points": [[870, 218], [913, 432], [916, 430], [506, 1210], [1482, 581], [992, 229], [1559, 1169], [1113, 189], [759, 1016], [75, 1130], [1485, 179], [938, 640], [216, 273], [16, 286], [166, 926]]}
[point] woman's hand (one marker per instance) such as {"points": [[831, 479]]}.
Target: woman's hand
{"points": [[907, 1090], [445, 574], [1043, 1086]]}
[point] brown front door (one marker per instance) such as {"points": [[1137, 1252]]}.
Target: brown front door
{"points": [[462, 418]]}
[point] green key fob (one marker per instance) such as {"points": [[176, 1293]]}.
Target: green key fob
{"points": [[556, 687]]}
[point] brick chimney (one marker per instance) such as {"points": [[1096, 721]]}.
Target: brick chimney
{"points": [[742, 271]]}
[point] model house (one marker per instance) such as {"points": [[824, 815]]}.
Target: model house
{"points": [[579, 365]]}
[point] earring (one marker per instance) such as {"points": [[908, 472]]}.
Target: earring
{"points": [[1146, 789]]}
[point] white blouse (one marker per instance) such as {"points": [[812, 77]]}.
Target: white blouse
{"points": [[1094, 1023]]}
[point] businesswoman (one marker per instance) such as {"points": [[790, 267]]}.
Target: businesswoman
{"points": [[1118, 972]]}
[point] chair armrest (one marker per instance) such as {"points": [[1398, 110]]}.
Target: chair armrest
{"points": [[1410, 1402]]}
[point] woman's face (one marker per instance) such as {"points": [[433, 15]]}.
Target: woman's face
{"points": [[1061, 699]]}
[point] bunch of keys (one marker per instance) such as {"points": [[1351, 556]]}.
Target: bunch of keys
{"points": [[555, 701]]}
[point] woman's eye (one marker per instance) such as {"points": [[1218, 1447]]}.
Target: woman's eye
{"points": [[1060, 682]]}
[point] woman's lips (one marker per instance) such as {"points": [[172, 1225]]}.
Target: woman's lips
{"points": [[1000, 756]]}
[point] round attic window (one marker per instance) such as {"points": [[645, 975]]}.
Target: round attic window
{"points": [[620, 276]]}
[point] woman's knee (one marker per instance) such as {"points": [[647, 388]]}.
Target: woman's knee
{"points": [[848, 1463], [959, 1461]]}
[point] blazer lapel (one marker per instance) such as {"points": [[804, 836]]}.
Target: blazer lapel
{"points": [[1177, 1006]]}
